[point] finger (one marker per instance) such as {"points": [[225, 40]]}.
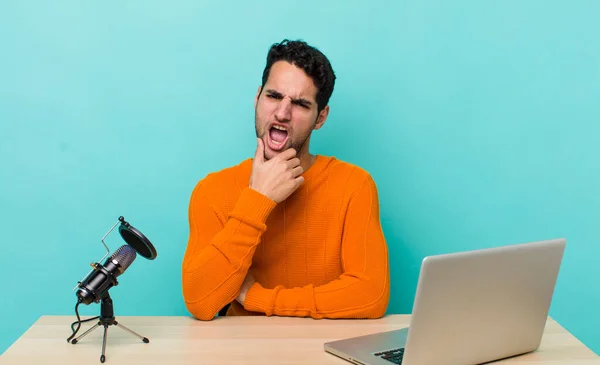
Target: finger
{"points": [[297, 171], [287, 154], [299, 180], [259, 156], [293, 162]]}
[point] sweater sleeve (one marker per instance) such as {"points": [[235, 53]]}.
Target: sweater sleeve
{"points": [[363, 288], [219, 254]]}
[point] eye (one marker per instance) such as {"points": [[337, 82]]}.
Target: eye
{"points": [[301, 104]]}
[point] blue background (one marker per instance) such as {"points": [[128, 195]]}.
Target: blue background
{"points": [[479, 120]]}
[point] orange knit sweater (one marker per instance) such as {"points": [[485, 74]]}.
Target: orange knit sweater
{"points": [[321, 253]]}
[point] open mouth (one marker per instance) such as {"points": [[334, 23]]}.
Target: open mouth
{"points": [[278, 136]]}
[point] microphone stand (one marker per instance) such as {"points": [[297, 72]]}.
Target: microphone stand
{"points": [[107, 318]]}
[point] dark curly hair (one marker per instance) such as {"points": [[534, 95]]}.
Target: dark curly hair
{"points": [[309, 59]]}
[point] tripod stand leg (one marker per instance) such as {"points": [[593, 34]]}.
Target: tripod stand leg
{"points": [[102, 357], [75, 340], [145, 339], [106, 319]]}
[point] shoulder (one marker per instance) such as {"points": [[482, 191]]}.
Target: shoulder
{"points": [[350, 175]]}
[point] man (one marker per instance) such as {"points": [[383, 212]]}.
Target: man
{"points": [[287, 233]]}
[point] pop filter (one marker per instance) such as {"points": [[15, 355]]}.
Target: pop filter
{"points": [[137, 240]]}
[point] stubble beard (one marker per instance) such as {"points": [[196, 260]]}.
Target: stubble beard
{"points": [[297, 145]]}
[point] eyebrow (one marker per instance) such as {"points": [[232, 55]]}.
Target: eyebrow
{"points": [[299, 101]]}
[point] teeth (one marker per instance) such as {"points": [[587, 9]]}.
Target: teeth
{"points": [[279, 127]]}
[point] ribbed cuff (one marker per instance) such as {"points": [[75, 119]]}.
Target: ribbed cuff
{"points": [[253, 207], [259, 299]]}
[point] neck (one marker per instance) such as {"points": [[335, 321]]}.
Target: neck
{"points": [[306, 159]]}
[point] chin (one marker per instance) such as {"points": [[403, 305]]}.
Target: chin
{"points": [[269, 154]]}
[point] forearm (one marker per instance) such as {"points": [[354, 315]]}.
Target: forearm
{"points": [[363, 288], [218, 255], [348, 297]]}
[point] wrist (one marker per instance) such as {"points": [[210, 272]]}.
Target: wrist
{"points": [[260, 191]]}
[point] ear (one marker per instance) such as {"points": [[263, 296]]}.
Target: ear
{"points": [[322, 117], [257, 95]]}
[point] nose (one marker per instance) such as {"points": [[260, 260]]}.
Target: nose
{"points": [[283, 113]]}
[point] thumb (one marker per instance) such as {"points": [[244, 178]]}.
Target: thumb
{"points": [[260, 151]]}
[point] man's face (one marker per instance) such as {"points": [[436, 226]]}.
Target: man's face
{"points": [[286, 110]]}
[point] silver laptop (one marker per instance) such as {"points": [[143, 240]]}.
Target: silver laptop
{"points": [[470, 308]]}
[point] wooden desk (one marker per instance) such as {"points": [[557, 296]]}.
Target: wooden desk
{"points": [[238, 340]]}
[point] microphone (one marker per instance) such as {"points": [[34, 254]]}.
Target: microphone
{"points": [[104, 277], [96, 284]]}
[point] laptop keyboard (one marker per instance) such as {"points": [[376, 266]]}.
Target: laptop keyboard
{"points": [[395, 356]]}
